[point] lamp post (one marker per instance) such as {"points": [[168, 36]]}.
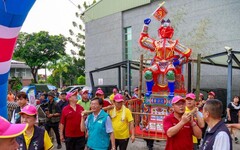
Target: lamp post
{"points": [[229, 81]]}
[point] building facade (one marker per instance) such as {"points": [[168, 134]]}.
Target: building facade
{"points": [[21, 70], [113, 28]]}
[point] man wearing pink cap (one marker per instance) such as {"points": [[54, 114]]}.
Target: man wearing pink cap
{"points": [[100, 94], [122, 121], [211, 95], [8, 134], [198, 117], [34, 137], [84, 102], [70, 124], [180, 127], [135, 93]]}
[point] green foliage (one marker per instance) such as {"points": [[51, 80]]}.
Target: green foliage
{"points": [[37, 49], [75, 69], [81, 80], [15, 84], [53, 80], [41, 81], [60, 66]]}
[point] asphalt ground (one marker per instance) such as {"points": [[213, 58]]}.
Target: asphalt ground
{"points": [[140, 144]]}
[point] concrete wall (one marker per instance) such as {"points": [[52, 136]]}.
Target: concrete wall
{"points": [[203, 25], [104, 47]]}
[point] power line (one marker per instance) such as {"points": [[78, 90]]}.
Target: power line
{"points": [[73, 3]]}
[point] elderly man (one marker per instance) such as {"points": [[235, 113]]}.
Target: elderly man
{"points": [[99, 127], [217, 136], [8, 134], [70, 121], [122, 121], [180, 127]]}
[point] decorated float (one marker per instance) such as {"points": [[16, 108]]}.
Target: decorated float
{"points": [[164, 78]]}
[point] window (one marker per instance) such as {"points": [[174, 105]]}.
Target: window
{"points": [[128, 43], [127, 52], [12, 72]]}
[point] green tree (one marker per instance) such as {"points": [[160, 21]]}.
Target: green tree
{"points": [[15, 84], [60, 66], [53, 80], [75, 69], [81, 80], [37, 49]]}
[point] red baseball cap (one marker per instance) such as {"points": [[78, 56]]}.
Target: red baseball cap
{"points": [[114, 90], [136, 89]]}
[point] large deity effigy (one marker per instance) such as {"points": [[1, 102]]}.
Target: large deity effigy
{"points": [[164, 78]]}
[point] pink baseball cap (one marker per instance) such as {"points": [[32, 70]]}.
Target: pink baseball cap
{"points": [[114, 90], [71, 94], [29, 110], [211, 93], [84, 91], [136, 89], [99, 92], [118, 98], [201, 95], [191, 96], [8, 130], [177, 99]]}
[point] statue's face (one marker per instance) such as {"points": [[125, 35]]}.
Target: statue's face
{"points": [[165, 30]]}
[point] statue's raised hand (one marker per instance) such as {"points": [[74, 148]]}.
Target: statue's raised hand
{"points": [[147, 21]]}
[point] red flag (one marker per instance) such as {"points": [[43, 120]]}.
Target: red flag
{"points": [[160, 12]]}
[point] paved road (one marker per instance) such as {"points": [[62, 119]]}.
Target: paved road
{"points": [[140, 144]]}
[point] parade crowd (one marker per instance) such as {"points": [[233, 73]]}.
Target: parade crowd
{"points": [[82, 123]]}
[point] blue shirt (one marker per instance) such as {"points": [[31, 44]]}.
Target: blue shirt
{"points": [[108, 124]]}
